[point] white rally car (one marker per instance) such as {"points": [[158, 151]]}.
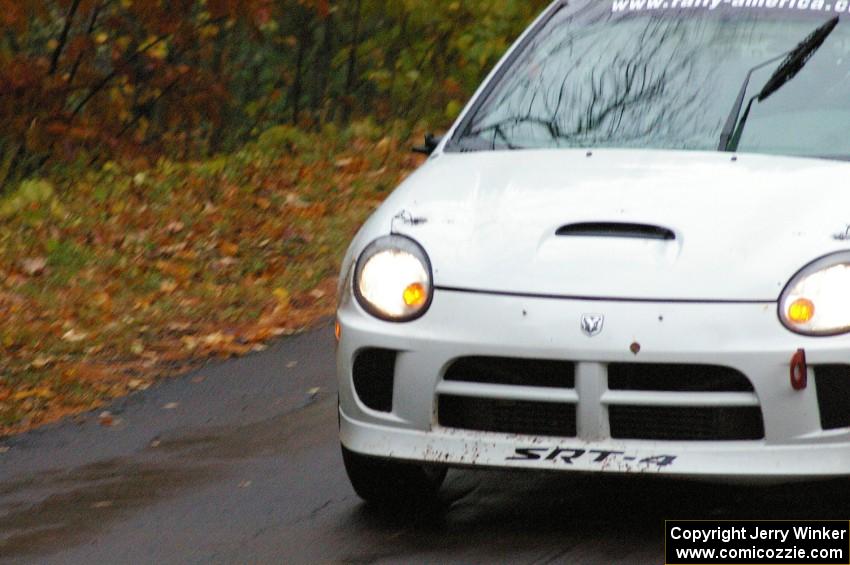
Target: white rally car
{"points": [[631, 254]]}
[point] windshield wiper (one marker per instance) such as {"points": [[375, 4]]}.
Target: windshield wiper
{"points": [[796, 59]]}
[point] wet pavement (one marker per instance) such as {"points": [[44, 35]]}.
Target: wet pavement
{"points": [[240, 463]]}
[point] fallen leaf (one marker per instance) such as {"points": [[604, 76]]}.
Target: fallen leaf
{"points": [[42, 362], [295, 201], [176, 270], [4, 449], [102, 504], [34, 266], [225, 263], [245, 484], [179, 326], [105, 419], [229, 249], [378, 173], [171, 406], [168, 286], [216, 339], [189, 342], [43, 393], [282, 295], [175, 227], [292, 364], [173, 249], [198, 380], [384, 145], [73, 336]]}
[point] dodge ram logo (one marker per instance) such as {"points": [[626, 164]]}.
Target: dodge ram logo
{"points": [[592, 324]]}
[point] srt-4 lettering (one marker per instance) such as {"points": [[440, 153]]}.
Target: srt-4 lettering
{"points": [[569, 456]]}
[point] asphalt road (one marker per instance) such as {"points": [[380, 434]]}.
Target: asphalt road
{"points": [[240, 463]]}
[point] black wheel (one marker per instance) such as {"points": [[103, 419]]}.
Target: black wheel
{"points": [[392, 483]]}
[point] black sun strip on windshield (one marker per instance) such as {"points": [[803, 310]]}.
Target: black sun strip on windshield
{"points": [[729, 6]]}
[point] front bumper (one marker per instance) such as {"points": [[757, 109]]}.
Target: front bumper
{"points": [[746, 337]]}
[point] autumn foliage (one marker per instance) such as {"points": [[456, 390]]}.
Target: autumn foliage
{"points": [[180, 178], [91, 79]]}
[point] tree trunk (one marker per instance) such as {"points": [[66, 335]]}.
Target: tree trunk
{"points": [[351, 75], [304, 21], [323, 63], [297, 84]]}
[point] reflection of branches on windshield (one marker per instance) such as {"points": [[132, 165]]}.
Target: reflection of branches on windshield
{"points": [[498, 128], [631, 81], [498, 131], [627, 89]]}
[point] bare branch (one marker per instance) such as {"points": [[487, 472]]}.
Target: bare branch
{"points": [[63, 37]]}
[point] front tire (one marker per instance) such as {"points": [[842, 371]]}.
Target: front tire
{"points": [[392, 483]]}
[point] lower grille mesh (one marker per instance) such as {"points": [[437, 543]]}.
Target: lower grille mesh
{"points": [[513, 372], [686, 423], [833, 384], [507, 416], [676, 378]]}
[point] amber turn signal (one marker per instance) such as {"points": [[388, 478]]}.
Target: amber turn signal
{"points": [[801, 311], [415, 295]]}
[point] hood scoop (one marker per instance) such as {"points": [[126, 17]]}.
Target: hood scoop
{"points": [[617, 230]]}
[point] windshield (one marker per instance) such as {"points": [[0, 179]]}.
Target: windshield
{"points": [[640, 74]]}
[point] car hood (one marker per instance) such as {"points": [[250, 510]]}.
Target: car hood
{"points": [[739, 228]]}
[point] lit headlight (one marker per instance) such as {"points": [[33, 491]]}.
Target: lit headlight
{"points": [[817, 301], [392, 280]]}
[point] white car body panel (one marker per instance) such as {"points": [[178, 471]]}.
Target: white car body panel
{"points": [[743, 228]]}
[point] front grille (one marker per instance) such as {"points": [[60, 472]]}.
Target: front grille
{"points": [[686, 423], [507, 416], [833, 384], [676, 378], [510, 371]]}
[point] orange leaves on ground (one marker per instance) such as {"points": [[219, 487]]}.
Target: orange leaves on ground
{"points": [[229, 249], [149, 271], [179, 271], [41, 392]]}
